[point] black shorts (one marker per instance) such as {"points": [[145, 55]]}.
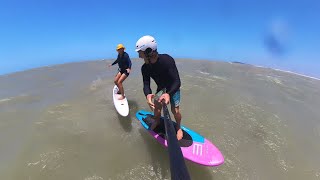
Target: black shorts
{"points": [[124, 72]]}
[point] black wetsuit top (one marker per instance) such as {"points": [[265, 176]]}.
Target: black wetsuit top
{"points": [[124, 62], [164, 72]]}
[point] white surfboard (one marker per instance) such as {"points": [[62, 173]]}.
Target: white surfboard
{"points": [[121, 105]]}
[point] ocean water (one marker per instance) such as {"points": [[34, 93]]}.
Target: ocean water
{"points": [[59, 122]]}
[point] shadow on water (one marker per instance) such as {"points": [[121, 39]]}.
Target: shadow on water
{"points": [[161, 163], [133, 106], [126, 122]]}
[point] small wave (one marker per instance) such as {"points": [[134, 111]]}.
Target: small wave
{"points": [[220, 78], [96, 84], [274, 79], [4, 100], [94, 177], [290, 72], [19, 97], [298, 74], [205, 73], [144, 172], [49, 160]]}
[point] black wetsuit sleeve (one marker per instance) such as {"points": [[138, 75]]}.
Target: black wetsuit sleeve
{"points": [[174, 74], [115, 62], [146, 81]]}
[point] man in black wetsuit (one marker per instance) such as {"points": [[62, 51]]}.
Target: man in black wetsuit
{"points": [[163, 70], [124, 64]]}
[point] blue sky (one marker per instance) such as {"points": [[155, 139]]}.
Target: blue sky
{"points": [[284, 35]]}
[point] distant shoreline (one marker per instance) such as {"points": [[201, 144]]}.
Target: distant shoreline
{"points": [[286, 71], [178, 59]]}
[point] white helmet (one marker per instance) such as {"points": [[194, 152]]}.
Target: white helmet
{"points": [[146, 42]]}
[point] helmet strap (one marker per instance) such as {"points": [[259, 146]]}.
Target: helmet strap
{"points": [[148, 53]]}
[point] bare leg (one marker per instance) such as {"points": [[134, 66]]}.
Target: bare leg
{"points": [[120, 86], [177, 116], [116, 78], [157, 114]]}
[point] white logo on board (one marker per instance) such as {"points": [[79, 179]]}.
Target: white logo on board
{"points": [[197, 149]]}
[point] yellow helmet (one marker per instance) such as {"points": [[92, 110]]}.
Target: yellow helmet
{"points": [[120, 46]]}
